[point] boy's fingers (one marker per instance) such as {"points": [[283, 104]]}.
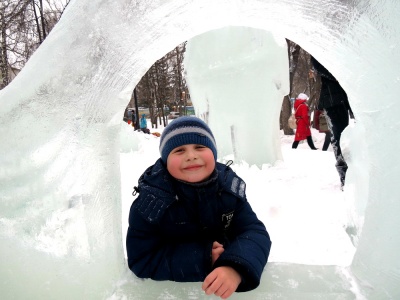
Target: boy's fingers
{"points": [[208, 281], [222, 291], [213, 287], [227, 294], [219, 251], [217, 245]]}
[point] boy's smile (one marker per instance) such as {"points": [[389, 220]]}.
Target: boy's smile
{"points": [[193, 167], [191, 163]]}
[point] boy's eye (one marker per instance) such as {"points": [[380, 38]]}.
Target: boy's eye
{"points": [[178, 150], [200, 146]]}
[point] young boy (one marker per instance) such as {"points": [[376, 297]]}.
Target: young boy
{"points": [[191, 221]]}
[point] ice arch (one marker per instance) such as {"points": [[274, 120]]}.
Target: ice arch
{"points": [[60, 210]]}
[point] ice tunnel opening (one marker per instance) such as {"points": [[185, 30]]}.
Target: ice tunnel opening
{"points": [[128, 192]]}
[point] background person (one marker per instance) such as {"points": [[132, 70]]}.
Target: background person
{"points": [[143, 124], [333, 100], [303, 122]]}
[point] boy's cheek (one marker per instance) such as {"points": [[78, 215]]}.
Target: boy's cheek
{"points": [[173, 165]]}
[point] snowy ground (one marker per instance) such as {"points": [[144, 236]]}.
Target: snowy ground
{"points": [[299, 199]]}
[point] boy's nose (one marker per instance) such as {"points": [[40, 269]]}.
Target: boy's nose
{"points": [[191, 154]]}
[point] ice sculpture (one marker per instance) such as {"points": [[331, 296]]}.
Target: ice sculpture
{"points": [[59, 176], [249, 68]]}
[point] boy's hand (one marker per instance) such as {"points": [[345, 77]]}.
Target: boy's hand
{"points": [[222, 282], [216, 251]]}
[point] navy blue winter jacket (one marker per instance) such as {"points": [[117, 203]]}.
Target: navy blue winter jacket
{"points": [[173, 224]]}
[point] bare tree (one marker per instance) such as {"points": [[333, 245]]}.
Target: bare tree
{"points": [[286, 110], [3, 50], [24, 26], [53, 12], [12, 15], [163, 86], [39, 19], [180, 92]]}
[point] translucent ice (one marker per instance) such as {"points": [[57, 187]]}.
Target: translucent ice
{"points": [[60, 121], [235, 72]]}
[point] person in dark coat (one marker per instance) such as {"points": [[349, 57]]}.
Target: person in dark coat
{"points": [[191, 221], [333, 100], [129, 116], [134, 118], [303, 122]]}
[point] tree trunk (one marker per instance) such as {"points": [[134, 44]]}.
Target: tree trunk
{"points": [[43, 20], [37, 22], [3, 54], [286, 110]]}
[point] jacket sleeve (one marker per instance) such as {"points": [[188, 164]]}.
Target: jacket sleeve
{"points": [[249, 247], [152, 255]]}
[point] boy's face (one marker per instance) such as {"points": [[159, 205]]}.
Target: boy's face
{"points": [[191, 163]]}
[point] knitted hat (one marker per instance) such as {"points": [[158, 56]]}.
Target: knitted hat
{"points": [[186, 130], [302, 96]]}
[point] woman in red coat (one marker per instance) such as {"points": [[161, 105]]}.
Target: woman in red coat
{"points": [[303, 122]]}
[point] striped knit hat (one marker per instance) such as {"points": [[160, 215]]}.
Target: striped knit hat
{"points": [[186, 130]]}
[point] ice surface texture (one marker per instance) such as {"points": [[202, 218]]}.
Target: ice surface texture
{"points": [[60, 121], [233, 73]]}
